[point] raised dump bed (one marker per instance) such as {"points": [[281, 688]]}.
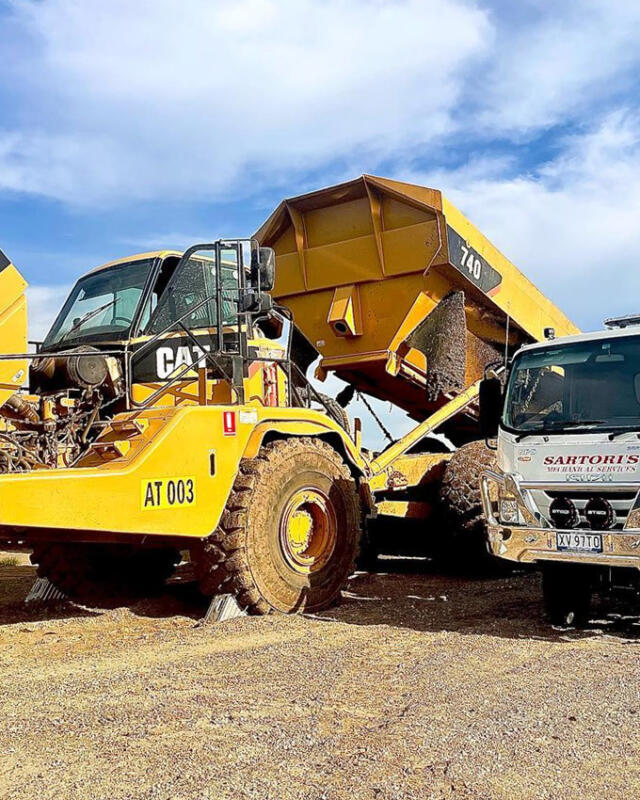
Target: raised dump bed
{"points": [[404, 298]]}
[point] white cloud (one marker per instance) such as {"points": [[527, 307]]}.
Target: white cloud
{"points": [[558, 64], [120, 101], [133, 100], [572, 225]]}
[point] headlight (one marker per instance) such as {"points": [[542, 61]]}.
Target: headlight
{"points": [[508, 511]]}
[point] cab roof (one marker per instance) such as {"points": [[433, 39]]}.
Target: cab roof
{"points": [[608, 333], [136, 257]]}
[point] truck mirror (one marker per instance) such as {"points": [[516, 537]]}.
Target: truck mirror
{"points": [[263, 268], [490, 406], [257, 302]]}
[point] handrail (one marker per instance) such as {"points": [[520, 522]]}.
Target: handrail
{"points": [[54, 354], [156, 337], [165, 388]]}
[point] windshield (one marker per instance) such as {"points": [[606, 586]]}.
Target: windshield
{"points": [[588, 385], [101, 304]]}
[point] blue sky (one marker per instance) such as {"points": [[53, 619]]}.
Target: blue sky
{"points": [[130, 126]]}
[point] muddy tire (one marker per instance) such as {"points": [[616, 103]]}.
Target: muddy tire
{"points": [[336, 412], [289, 536], [94, 571], [463, 528], [566, 592]]}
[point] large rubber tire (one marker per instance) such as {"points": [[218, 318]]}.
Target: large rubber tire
{"points": [[336, 411], [567, 592], [246, 555], [463, 528], [93, 571]]}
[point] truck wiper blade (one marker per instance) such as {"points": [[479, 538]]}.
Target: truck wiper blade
{"points": [[558, 427], [574, 423], [89, 315], [522, 436]]}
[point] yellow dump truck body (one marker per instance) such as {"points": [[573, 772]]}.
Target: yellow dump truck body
{"points": [[402, 295]]}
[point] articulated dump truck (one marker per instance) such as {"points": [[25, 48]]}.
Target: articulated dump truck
{"points": [[169, 407]]}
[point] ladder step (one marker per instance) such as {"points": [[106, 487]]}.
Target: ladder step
{"points": [[129, 426], [117, 448]]}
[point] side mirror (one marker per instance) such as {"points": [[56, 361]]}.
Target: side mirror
{"points": [[263, 268], [257, 302], [491, 401]]}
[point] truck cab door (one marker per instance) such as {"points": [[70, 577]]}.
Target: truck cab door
{"points": [[180, 324]]}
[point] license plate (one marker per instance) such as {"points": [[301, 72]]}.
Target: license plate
{"points": [[581, 542]]}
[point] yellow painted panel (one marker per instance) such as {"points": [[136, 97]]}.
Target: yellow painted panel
{"points": [[410, 249], [107, 497], [351, 261], [13, 330], [286, 243], [289, 278], [397, 214], [177, 442], [337, 223], [383, 307], [421, 195]]}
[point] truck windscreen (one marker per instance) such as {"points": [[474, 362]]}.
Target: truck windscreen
{"points": [[102, 304], [590, 385]]}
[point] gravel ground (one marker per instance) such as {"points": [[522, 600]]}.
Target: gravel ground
{"points": [[417, 686]]}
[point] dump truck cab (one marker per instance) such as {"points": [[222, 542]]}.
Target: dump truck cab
{"points": [[125, 304], [138, 332], [566, 492]]}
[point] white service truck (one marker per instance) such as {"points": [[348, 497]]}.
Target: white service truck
{"points": [[566, 494]]}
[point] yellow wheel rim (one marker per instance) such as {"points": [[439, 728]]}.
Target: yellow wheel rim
{"points": [[308, 531]]}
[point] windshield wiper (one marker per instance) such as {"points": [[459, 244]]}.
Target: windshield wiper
{"points": [[558, 426], [89, 315], [577, 423], [526, 435]]}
